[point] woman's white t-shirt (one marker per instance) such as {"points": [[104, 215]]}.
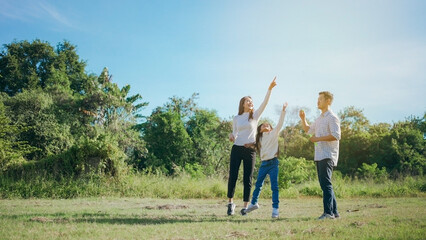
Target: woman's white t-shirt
{"points": [[244, 129]]}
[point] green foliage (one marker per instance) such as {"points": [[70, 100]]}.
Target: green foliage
{"points": [[101, 156], [180, 135], [195, 170], [35, 65], [35, 109], [11, 149], [372, 172], [355, 140], [209, 136], [60, 122], [408, 149], [48, 92], [183, 186], [168, 143], [294, 171], [402, 148], [295, 143]]}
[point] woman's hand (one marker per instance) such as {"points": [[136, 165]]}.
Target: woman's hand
{"points": [[273, 84], [231, 137]]}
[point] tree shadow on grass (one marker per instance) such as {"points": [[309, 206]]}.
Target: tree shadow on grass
{"points": [[155, 220], [105, 218]]}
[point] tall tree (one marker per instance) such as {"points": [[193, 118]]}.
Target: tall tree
{"points": [[210, 137], [168, 143], [355, 141], [51, 93], [32, 65]]}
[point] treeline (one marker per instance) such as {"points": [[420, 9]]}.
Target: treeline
{"points": [[58, 120]]}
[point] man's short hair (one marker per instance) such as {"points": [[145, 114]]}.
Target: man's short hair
{"points": [[327, 95]]}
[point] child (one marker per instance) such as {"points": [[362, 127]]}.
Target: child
{"points": [[267, 146]]}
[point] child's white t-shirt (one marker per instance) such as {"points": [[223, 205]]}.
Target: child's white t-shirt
{"points": [[269, 141]]}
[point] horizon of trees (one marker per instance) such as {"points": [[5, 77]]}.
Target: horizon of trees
{"points": [[56, 117]]}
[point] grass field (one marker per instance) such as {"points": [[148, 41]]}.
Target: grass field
{"points": [[133, 218]]}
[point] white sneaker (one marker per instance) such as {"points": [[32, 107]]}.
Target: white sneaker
{"points": [[252, 207], [231, 209], [325, 216], [275, 213]]}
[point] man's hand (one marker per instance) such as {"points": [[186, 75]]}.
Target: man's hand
{"points": [[302, 115], [305, 124]]}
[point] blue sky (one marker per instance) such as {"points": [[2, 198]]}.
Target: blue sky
{"points": [[370, 54]]}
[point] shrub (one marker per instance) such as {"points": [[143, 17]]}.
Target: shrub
{"points": [[372, 172], [100, 156], [295, 170]]}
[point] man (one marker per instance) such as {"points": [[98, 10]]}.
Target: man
{"points": [[326, 136]]}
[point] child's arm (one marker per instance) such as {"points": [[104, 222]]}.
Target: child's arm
{"points": [[262, 106], [281, 121]]}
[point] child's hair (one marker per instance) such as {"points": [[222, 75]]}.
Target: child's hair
{"points": [[259, 135], [241, 107]]}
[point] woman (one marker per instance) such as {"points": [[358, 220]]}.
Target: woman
{"points": [[244, 137]]}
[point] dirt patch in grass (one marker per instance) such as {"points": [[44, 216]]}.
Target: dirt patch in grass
{"points": [[357, 224], [49, 220], [315, 230], [374, 206], [167, 207], [236, 234]]}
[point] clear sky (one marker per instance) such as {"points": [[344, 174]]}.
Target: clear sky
{"points": [[371, 54]]}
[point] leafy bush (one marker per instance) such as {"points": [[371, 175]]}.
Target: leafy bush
{"points": [[372, 172], [100, 156], [295, 170], [195, 170]]}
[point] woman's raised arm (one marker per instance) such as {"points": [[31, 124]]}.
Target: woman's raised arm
{"points": [[262, 106]]}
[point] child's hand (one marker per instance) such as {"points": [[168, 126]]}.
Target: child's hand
{"points": [[250, 145], [285, 106], [273, 84]]}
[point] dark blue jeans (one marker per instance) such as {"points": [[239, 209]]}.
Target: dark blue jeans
{"points": [[325, 170], [270, 168]]}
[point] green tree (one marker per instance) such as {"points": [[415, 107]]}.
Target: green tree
{"points": [[35, 65], [293, 141], [168, 144], [34, 109], [210, 137], [182, 135], [407, 152], [52, 94], [111, 110], [11, 150], [355, 140]]}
